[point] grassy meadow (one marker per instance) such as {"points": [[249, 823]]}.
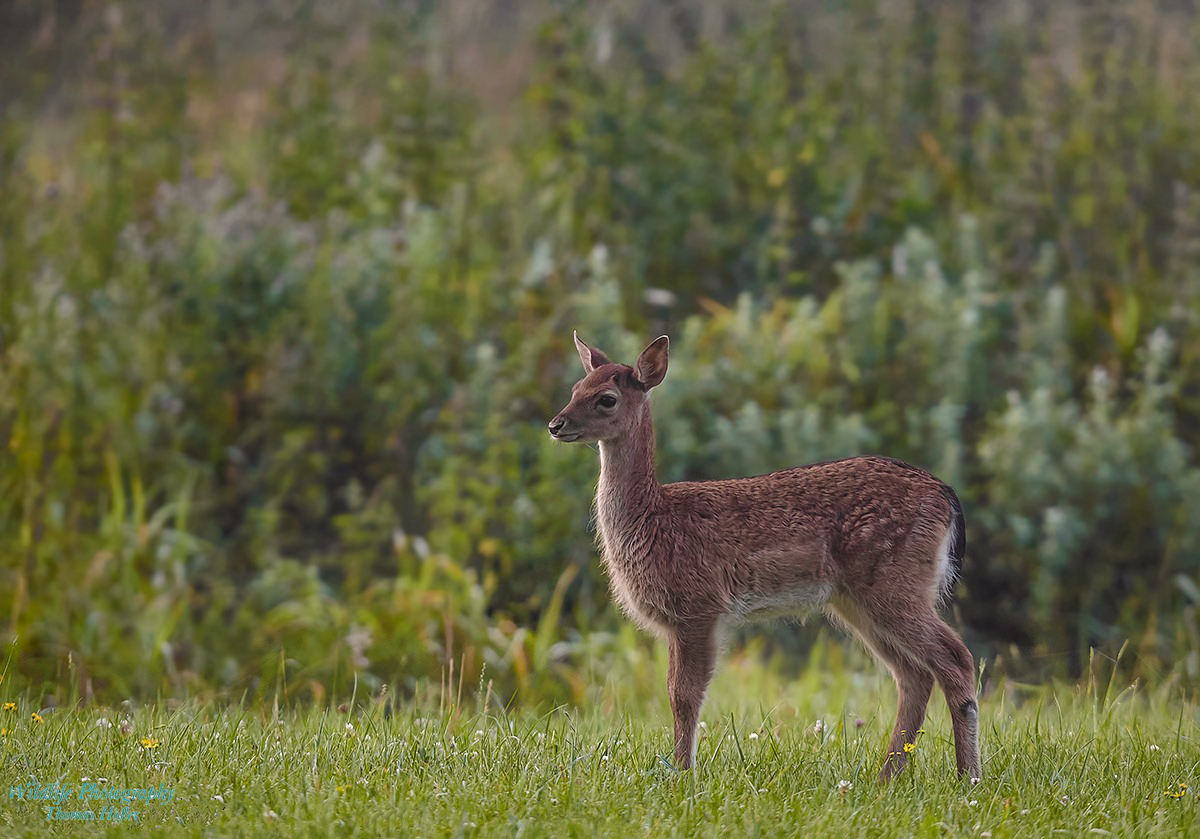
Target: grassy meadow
{"points": [[777, 758]]}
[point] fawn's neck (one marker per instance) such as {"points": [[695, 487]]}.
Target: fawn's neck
{"points": [[628, 487]]}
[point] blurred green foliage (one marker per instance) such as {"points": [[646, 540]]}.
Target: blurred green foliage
{"points": [[273, 397]]}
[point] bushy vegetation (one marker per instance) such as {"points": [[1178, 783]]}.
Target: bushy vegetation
{"points": [[273, 388]]}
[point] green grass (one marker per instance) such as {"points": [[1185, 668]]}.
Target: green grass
{"points": [[1079, 760]]}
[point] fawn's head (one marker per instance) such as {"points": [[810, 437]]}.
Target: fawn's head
{"points": [[606, 402]]}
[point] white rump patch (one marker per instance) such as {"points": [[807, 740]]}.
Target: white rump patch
{"points": [[943, 579]]}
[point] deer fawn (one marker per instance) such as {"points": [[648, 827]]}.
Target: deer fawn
{"points": [[873, 542]]}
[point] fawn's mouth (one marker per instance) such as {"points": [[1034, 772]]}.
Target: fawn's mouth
{"points": [[565, 438]]}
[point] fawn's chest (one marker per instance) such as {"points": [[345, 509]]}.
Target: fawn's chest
{"points": [[634, 576]]}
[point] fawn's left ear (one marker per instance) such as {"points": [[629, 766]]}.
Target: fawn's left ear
{"points": [[590, 356], [652, 363]]}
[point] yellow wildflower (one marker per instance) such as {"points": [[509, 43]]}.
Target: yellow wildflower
{"points": [[36, 717], [909, 748], [150, 743], [10, 706], [1179, 793]]}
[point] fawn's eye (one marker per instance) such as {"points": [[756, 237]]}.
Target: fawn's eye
{"points": [[606, 401]]}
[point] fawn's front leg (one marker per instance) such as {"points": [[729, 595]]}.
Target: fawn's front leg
{"points": [[692, 656]]}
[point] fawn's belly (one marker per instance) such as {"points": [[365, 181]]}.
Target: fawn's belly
{"points": [[798, 601]]}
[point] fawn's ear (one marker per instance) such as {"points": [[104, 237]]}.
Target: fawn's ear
{"points": [[591, 358], [652, 363]]}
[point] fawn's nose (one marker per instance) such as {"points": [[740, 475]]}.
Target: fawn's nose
{"points": [[556, 425]]}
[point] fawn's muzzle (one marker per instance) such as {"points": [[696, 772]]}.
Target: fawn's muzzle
{"points": [[559, 431]]}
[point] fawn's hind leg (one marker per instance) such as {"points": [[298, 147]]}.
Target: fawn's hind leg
{"points": [[955, 669], [691, 661], [914, 685], [923, 637]]}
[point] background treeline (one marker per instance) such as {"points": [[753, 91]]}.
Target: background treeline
{"points": [[287, 291]]}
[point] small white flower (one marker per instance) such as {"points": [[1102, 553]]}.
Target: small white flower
{"points": [[987, 834], [1024, 812], [604, 758], [844, 787], [102, 780], [1153, 748], [85, 778], [972, 802], [974, 781], [478, 733], [818, 727], [703, 724], [103, 723], [270, 815], [218, 797], [753, 735]]}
